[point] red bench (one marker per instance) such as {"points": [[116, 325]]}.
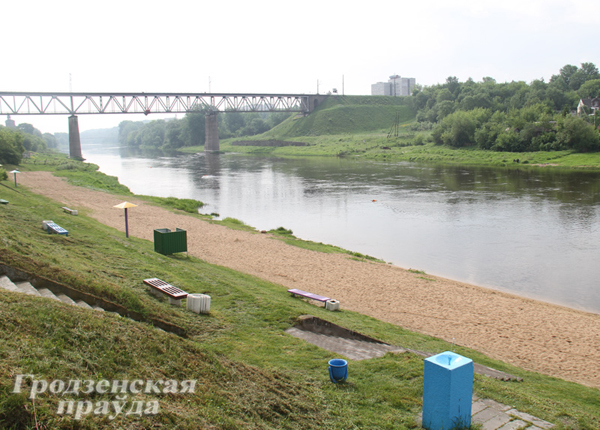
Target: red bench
{"points": [[161, 287], [295, 292]]}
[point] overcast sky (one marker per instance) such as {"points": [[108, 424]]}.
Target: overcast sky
{"points": [[282, 46]]}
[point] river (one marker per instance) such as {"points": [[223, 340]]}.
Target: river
{"points": [[528, 231]]}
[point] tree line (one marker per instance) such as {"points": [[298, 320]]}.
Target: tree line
{"points": [[513, 116], [14, 142], [190, 130]]}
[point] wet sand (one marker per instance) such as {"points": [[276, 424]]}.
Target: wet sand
{"points": [[534, 335]]}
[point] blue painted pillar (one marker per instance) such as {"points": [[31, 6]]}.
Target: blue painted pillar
{"points": [[447, 391]]}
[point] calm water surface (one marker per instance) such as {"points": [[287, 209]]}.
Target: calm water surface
{"points": [[532, 232]]}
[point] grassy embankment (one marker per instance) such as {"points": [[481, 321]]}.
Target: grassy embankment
{"points": [[358, 126], [250, 373]]}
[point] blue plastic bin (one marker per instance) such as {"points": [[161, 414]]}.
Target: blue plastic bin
{"points": [[338, 370]]}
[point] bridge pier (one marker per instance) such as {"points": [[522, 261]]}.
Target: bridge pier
{"points": [[74, 139], [211, 133]]}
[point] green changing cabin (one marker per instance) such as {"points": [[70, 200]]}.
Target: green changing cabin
{"points": [[168, 242]]}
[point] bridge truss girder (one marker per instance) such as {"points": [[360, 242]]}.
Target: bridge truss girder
{"points": [[29, 103]]}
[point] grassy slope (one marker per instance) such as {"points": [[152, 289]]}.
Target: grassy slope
{"points": [[250, 373]]}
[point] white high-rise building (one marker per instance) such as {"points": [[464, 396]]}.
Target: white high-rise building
{"points": [[396, 86]]}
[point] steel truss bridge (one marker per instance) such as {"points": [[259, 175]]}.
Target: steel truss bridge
{"points": [[44, 103]]}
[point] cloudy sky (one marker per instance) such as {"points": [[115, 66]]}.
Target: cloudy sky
{"points": [[282, 46]]}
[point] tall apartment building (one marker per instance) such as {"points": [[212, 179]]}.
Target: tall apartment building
{"points": [[396, 86]]}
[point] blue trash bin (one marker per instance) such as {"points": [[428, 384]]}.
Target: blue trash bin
{"points": [[447, 391], [338, 370]]}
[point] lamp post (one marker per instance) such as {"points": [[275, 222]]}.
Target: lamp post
{"points": [[125, 205], [14, 172]]}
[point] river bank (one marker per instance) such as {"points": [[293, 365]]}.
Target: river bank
{"points": [[378, 147], [537, 336]]}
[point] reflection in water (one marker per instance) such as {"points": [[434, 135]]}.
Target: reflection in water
{"points": [[533, 232]]}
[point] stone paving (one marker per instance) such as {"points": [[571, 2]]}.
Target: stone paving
{"points": [[496, 416], [490, 414]]}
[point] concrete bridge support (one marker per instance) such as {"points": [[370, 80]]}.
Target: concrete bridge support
{"points": [[74, 139], [211, 142]]}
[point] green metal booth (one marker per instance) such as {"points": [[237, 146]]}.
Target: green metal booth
{"points": [[168, 242]]}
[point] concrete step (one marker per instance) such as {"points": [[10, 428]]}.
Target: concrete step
{"points": [[97, 308], [353, 349], [45, 292], [83, 304], [8, 285], [27, 288], [66, 299]]}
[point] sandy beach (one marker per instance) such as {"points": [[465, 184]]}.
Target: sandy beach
{"points": [[534, 335]]}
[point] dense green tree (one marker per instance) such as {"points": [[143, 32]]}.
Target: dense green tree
{"points": [[566, 72], [152, 136], [458, 128], [575, 133], [34, 143], [11, 146], [194, 128], [174, 135], [590, 71], [234, 121], [50, 140], [453, 85], [444, 109], [29, 129], [443, 95], [529, 111], [127, 130], [590, 88]]}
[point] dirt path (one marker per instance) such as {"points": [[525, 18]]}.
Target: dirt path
{"points": [[550, 339]]}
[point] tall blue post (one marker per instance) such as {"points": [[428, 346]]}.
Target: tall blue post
{"points": [[447, 391]]}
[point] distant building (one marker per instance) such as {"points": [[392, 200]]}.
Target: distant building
{"points": [[396, 86], [9, 122], [591, 104]]}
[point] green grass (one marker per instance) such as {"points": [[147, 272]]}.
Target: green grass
{"points": [[186, 205], [288, 237], [378, 147], [250, 373]]}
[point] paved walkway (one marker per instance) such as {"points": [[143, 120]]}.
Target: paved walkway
{"points": [[489, 413], [496, 416]]}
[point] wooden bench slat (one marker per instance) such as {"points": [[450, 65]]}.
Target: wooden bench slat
{"points": [[166, 288], [308, 295], [155, 282], [55, 228]]}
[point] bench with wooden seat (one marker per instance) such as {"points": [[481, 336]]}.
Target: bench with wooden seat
{"points": [[69, 210], [52, 227], [296, 292], [161, 287]]}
